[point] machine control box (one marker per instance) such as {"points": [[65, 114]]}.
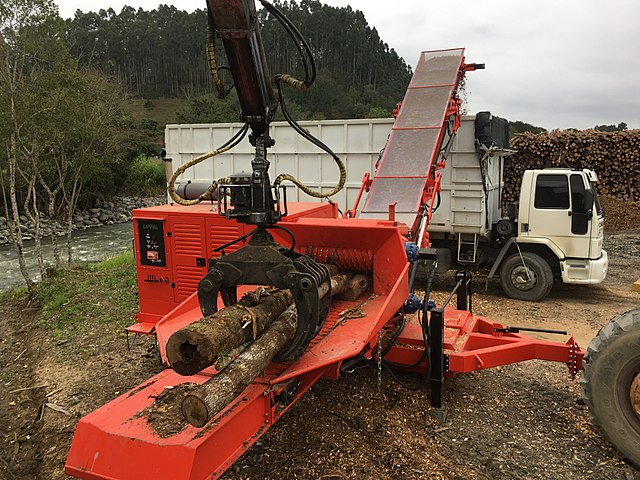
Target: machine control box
{"points": [[152, 248]]}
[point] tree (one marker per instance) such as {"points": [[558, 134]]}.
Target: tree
{"points": [[29, 46], [63, 128], [87, 145], [161, 53], [209, 109], [611, 128], [521, 127]]}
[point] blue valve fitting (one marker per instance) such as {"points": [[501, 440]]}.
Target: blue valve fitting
{"points": [[411, 249]]}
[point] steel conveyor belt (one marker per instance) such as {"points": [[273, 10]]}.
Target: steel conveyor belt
{"points": [[415, 140]]}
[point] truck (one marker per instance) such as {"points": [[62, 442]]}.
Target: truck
{"points": [[553, 234]]}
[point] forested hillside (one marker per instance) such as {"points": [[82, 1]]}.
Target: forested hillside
{"points": [[160, 53]]}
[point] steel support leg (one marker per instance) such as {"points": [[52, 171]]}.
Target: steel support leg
{"points": [[463, 277], [437, 361]]}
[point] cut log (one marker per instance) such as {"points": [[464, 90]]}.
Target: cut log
{"points": [[339, 285], [197, 346], [359, 284], [202, 404], [612, 155], [208, 399]]}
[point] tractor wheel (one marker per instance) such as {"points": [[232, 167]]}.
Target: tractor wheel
{"points": [[611, 383], [527, 277]]}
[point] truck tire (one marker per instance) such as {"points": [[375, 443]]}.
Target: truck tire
{"points": [[531, 281], [611, 383]]}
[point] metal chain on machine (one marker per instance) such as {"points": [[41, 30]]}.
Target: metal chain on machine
{"points": [[379, 361]]}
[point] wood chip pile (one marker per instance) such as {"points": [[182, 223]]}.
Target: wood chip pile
{"points": [[614, 156]]}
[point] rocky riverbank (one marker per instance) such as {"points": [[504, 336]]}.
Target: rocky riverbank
{"points": [[116, 210]]}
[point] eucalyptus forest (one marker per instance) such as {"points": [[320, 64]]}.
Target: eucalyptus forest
{"points": [[160, 53]]}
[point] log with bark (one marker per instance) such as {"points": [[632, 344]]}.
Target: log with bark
{"points": [[206, 400], [197, 346]]}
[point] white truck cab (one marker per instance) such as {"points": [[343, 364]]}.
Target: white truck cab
{"points": [[559, 209], [556, 234]]}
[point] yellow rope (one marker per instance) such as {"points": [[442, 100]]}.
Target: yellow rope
{"points": [[171, 187]]}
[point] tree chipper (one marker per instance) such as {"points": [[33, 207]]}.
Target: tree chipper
{"points": [[350, 281]]}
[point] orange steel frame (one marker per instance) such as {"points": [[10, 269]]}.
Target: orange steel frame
{"points": [[117, 443]]}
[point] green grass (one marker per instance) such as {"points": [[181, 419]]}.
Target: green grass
{"points": [[163, 110], [13, 294], [146, 177], [78, 303]]}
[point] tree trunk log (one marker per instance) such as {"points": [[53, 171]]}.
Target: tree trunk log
{"points": [[198, 345], [358, 284], [208, 399], [202, 404]]}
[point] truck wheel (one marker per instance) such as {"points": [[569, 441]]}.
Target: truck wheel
{"points": [[527, 277], [611, 383]]}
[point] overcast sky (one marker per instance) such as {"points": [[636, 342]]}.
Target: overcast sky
{"points": [[556, 64]]}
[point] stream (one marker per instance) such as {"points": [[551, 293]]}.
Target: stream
{"points": [[90, 245]]}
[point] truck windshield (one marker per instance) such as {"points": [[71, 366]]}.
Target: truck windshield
{"points": [[599, 210]]}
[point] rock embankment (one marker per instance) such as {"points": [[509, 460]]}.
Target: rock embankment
{"points": [[116, 210]]}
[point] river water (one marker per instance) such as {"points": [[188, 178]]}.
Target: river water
{"points": [[91, 245]]}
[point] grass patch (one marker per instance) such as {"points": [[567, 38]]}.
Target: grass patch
{"points": [[124, 260], [85, 301], [13, 294], [163, 110]]}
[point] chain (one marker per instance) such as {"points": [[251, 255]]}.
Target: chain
{"points": [[526, 269], [379, 361]]}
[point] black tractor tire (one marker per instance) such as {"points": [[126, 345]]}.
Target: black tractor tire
{"points": [[611, 369], [530, 282]]}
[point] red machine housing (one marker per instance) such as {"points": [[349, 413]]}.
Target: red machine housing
{"points": [[174, 245], [116, 442]]}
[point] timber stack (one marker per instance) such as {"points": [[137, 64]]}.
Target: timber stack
{"points": [[614, 156]]}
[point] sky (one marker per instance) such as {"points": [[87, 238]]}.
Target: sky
{"points": [[551, 63]]}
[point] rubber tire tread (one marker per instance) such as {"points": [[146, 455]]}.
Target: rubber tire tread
{"points": [[542, 270], [615, 343]]}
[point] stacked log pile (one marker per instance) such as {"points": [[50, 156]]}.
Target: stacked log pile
{"points": [[614, 156]]}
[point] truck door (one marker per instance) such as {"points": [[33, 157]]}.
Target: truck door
{"points": [[552, 216]]}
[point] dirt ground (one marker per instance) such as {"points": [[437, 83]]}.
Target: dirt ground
{"points": [[520, 421]]}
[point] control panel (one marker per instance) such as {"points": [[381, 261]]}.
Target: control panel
{"points": [[152, 248]]}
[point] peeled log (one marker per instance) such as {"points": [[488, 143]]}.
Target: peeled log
{"points": [[339, 285], [197, 346], [208, 399]]}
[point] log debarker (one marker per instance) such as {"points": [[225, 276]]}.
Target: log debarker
{"points": [[384, 324]]}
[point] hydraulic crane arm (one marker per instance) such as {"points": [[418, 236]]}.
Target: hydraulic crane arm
{"points": [[236, 22], [252, 198]]}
